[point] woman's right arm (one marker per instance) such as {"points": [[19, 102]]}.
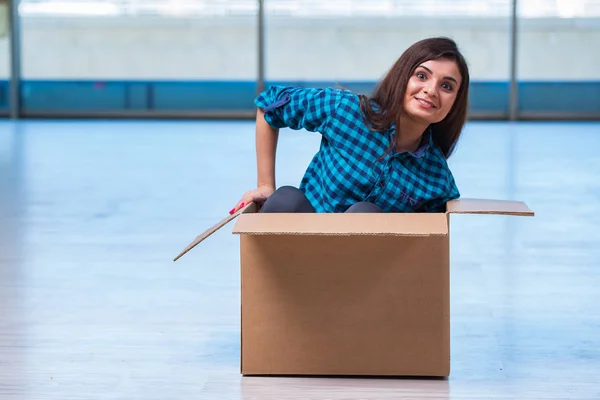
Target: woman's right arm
{"points": [[266, 149], [285, 107]]}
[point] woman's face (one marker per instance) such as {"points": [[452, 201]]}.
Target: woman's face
{"points": [[431, 90]]}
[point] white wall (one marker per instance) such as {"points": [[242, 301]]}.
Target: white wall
{"points": [[349, 48]]}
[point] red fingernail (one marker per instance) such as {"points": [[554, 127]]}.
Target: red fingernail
{"points": [[232, 210], [242, 205]]}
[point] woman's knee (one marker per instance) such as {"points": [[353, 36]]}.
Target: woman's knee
{"points": [[364, 207], [287, 199]]}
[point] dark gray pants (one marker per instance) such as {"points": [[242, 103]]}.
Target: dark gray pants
{"points": [[288, 199]]}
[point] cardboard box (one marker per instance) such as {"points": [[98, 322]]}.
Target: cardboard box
{"points": [[349, 294]]}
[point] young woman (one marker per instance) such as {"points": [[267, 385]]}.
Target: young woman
{"points": [[381, 153]]}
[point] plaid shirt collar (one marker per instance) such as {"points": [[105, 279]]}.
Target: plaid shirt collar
{"points": [[424, 145]]}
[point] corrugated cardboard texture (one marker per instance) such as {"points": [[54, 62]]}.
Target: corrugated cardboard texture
{"points": [[483, 206], [357, 305], [340, 224]]}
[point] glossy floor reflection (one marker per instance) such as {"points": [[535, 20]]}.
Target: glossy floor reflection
{"points": [[92, 306]]}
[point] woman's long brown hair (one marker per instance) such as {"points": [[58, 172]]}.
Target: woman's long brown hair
{"points": [[388, 95]]}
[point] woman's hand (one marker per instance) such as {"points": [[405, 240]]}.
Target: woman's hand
{"points": [[258, 195]]}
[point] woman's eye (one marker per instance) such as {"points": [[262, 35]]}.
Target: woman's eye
{"points": [[420, 75], [447, 86]]}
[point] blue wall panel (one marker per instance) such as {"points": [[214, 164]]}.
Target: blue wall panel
{"points": [[4, 96], [73, 95], [231, 96], [205, 96], [489, 97], [575, 97]]}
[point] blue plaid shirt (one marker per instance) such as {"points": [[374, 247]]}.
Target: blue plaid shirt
{"points": [[346, 168]]}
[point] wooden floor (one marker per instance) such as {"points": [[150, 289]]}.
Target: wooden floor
{"points": [[93, 307]]}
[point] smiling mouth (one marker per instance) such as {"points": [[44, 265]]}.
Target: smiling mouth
{"points": [[426, 103]]}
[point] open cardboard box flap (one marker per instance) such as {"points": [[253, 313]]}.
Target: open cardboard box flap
{"points": [[249, 208], [340, 224], [486, 206]]}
